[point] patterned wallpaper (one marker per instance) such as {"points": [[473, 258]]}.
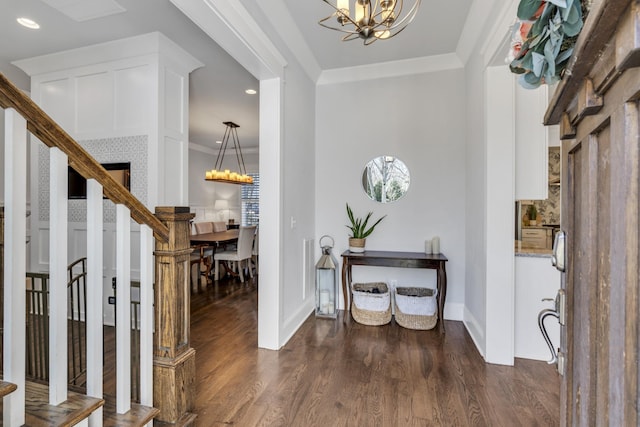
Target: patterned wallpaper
{"points": [[131, 149], [550, 208]]}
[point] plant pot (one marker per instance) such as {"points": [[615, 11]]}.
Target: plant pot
{"points": [[356, 245]]}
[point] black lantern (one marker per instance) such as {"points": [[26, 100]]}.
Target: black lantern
{"points": [[327, 282]]}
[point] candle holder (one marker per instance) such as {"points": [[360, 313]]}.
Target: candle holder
{"points": [[327, 282]]}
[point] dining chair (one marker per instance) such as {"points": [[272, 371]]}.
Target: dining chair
{"points": [[240, 254], [219, 226], [202, 254], [195, 270], [254, 251]]}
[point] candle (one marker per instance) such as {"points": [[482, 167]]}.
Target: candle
{"points": [[435, 245], [343, 5], [324, 300], [427, 246]]}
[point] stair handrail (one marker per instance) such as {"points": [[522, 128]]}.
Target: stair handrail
{"points": [[50, 133]]}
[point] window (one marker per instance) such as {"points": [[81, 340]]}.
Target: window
{"points": [[251, 201]]}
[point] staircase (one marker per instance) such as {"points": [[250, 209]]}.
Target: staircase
{"points": [[166, 361]]}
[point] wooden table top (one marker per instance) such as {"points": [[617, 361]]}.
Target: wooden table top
{"points": [[221, 236], [394, 255]]}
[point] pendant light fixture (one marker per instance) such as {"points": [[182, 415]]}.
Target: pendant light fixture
{"points": [[369, 20], [226, 175]]}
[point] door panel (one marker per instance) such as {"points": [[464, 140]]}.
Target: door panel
{"points": [[600, 215], [596, 106]]}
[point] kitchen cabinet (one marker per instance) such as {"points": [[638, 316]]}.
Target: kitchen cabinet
{"points": [[531, 143], [536, 237]]}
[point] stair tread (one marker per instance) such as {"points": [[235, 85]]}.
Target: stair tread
{"points": [[6, 388], [186, 420], [138, 415], [76, 408]]}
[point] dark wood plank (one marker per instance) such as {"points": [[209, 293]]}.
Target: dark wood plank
{"points": [[137, 416], [6, 388], [70, 412], [341, 373]]}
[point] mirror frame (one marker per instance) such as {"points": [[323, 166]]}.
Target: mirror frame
{"points": [[397, 175]]}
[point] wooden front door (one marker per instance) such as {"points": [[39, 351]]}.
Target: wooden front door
{"points": [[598, 111]]}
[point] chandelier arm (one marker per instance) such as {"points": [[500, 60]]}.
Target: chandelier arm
{"points": [[373, 21], [338, 13], [408, 17], [236, 146], [223, 149], [337, 29], [349, 37]]}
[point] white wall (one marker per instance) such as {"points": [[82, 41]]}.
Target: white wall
{"points": [[476, 196], [299, 208], [421, 119]]}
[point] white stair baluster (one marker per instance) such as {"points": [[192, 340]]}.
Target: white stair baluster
{"points": [[146, 315], [94, 315], [58, 364], [123, 309], [15, 181]]}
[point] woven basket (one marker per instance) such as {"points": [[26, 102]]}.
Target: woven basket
{"points": [[416, 308], [417, 301], [367, 308]]}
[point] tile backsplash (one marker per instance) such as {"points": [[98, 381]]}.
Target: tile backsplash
{"points": [[549, 209]]}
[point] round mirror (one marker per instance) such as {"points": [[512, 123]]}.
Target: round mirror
{"points": [[385, 179]]}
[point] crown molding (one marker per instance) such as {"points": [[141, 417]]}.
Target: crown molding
{"points": [[233, 28], [131, 47], [499, 33], [405, 67], [278, 15], [477, 20]]}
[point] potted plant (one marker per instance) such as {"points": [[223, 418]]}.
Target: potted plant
{"points": [[533, 215], [359, 230]]}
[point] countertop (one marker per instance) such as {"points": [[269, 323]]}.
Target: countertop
{"points": [[531, 252]]}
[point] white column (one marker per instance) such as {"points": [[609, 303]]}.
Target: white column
{"points": [[269, 307]]}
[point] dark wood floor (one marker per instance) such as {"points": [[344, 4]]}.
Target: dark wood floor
{"points": [[341, 373]]}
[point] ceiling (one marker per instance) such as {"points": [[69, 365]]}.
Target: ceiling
{"points": [[217, 89], [435, 30]]}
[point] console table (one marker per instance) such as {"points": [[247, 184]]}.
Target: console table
{"points": [[396, 259]]}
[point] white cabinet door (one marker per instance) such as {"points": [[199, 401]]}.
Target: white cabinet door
{"points": [[531, 149]]}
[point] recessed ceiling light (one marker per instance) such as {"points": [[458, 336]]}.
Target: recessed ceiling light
{"points": [[29, 23], [218, 142], [250, 91]]}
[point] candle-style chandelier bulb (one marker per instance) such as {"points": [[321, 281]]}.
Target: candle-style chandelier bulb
{"points": [[226, 175], [371, 20]]}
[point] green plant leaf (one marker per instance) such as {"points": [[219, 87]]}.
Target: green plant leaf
{"points": [[559, 3], [358, 226], [527, 8]]}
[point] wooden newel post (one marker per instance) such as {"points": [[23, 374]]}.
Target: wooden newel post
{"points": [[174, 364], [1, 267]]}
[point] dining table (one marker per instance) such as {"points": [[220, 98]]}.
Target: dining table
{"points": [[213, 240]]}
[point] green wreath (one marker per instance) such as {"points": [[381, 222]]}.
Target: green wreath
{"points": [[541, 54]]}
